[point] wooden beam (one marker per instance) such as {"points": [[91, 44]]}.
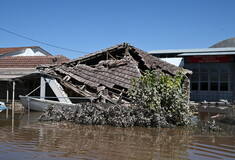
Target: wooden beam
{"points": [[107, 55], [7, 100], [127, 50], [111, 56], [84, 92]]}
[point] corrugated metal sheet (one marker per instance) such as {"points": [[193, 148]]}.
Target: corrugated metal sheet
{"points": [[207, 54], [200, 50]]}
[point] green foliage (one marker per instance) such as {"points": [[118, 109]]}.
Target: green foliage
{"points": [[163, 95]]}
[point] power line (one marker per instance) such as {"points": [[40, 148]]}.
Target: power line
{"points": [[51, 45]]}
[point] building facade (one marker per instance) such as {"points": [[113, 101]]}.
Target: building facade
{"points": [[213, 69]]}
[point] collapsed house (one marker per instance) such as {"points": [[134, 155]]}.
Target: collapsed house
{"points": [[108, 73]]}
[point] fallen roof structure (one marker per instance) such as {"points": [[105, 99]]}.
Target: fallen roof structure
{"points": [[108, 73]]}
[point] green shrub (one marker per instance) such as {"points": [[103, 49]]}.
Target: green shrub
{"points": [[163, 95]]}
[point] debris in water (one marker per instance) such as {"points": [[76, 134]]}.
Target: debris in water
{"points": [[105, 114]]}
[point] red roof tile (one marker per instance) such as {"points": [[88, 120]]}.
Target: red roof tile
{"points": [[31, 61], [13, 49]]}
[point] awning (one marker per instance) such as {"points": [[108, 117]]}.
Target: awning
{"points": [[206, 54], [175, 61]]}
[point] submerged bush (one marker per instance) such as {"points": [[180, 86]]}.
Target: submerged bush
{"points": [[163, 95], [157, 102], [104, 114]]}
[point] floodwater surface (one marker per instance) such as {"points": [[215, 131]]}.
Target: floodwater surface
{"points": [[26, 138]]}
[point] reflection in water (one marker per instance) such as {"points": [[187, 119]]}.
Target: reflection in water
{"points": [[49, 140]]}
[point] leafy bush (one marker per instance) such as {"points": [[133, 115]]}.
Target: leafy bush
{"points": [[163, 95]]}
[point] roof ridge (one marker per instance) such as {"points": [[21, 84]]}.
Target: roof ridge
{"points": [[99, 52], [49, 56], [14, 49], [20, 47]]}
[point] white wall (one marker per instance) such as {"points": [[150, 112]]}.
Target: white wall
{"points": [[28, 52]]}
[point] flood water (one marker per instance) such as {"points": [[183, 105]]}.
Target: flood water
{"points": [[26, 138]]}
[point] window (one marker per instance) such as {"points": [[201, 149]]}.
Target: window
{"points": [[224, 80], [231, 86], [224, 86], [204, 86], [204, 78], [214, 80], [212, 76], [214, 86], [195, 76], [194, 86], [224, 76]]}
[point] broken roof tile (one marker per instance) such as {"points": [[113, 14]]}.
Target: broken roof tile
{"points": [[96, 69]]}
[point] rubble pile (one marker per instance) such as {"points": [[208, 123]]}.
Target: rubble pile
{"points": [[105, 114]]}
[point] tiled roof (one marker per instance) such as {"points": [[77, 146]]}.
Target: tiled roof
{"points": [[150, 61], [125, 62], [31, 61], [156, 63], [13, 49], [120, 75]]}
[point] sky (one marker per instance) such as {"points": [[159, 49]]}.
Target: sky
{"points": [[88, 26]]}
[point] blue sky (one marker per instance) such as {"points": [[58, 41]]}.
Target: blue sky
{"points": [[92, 25]]}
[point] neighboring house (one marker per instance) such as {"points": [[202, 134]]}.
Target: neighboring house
{"points": [[19, 61], [213, 70], [17, 66]]}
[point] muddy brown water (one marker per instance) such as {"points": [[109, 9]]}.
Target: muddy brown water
{"points": [[26, 138]]}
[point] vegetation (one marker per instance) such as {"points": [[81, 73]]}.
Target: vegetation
{"points": [[162, 95]]}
